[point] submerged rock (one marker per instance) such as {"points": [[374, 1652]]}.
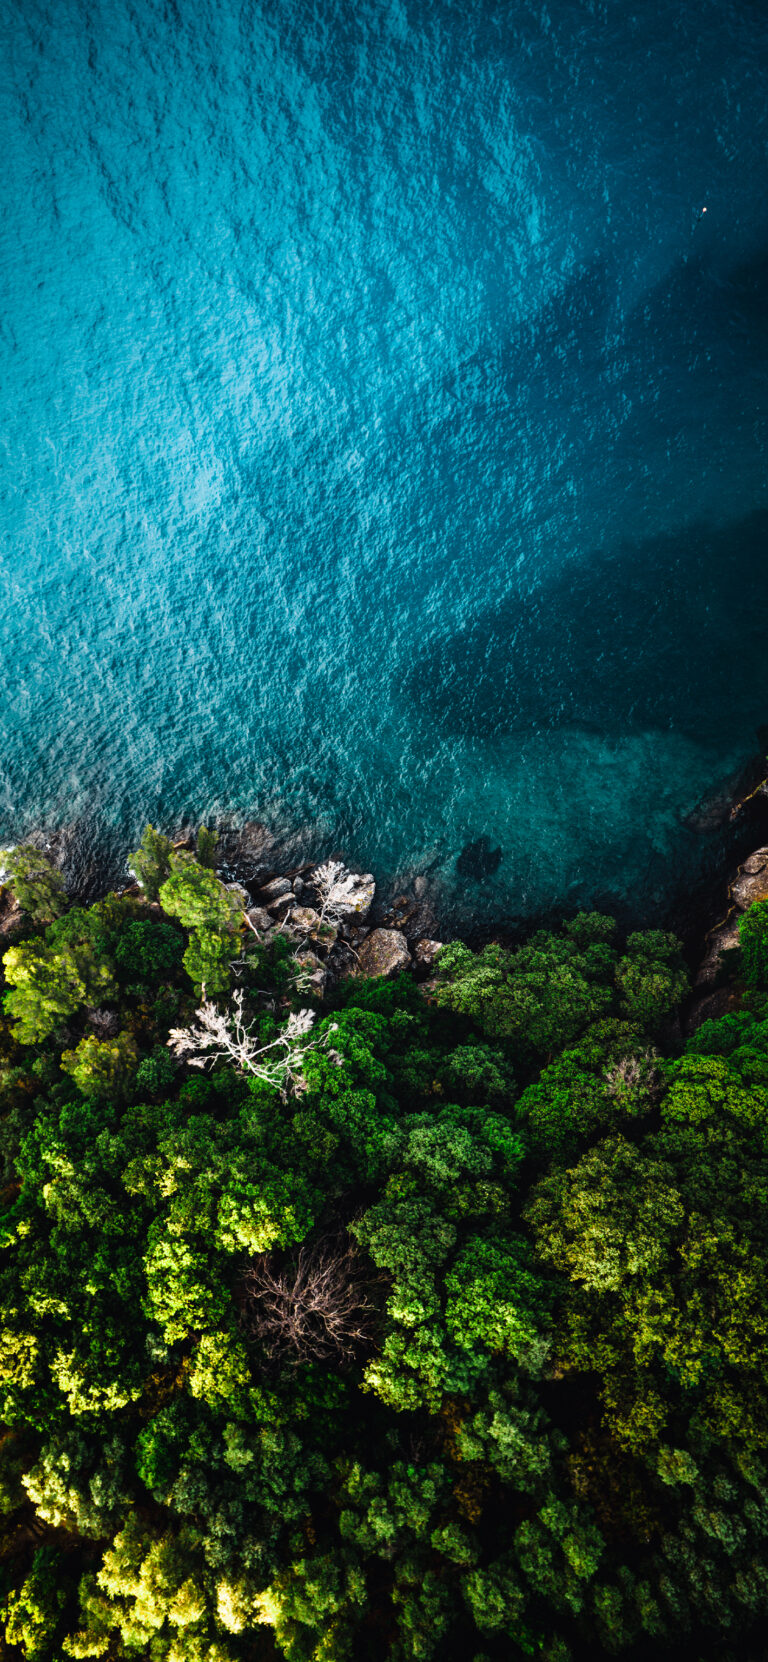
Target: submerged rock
{"points": [[478, 860], [384, 952], [247, 851]]}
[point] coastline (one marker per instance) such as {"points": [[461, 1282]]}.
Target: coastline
{"points": [[731, 823]]}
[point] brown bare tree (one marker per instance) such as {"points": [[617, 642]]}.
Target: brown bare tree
{"points": [[319, 1306]]}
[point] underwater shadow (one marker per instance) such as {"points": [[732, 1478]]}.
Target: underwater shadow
{"points": [[667, 633]]}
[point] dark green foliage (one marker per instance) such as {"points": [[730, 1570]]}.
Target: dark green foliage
{"points": [[547, 1435], [148, 953], [606, 1080], [753, 940], [31, 1615], [538, 997], [723, 1036], [652, 977], [155, 1073]]}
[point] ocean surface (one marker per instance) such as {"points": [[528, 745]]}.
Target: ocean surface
{"points": [[383, 429]]}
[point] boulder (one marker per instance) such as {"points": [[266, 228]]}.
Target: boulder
{"points": [[305, 918], [356, 903], [752, 881], [274, 890], [723, 939], [426, 950], [10, 913], [259, 917], [280, 907], [384, 952]]}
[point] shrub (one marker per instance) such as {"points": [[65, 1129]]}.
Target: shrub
{"points": [[753, 940]]}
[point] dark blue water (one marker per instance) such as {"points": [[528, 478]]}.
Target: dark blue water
{"points": [[383, 435]]}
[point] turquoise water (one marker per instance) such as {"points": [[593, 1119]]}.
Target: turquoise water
{"points": [[383, 435]]}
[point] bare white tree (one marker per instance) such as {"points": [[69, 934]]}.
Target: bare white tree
{"points": [[337, 888], [219, 1034], [633, 1074]]}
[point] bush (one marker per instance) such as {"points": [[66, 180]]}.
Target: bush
{"points": [[36, 883], [753, 940]]}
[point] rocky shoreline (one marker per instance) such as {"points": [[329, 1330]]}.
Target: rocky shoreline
{"points": [[379, 935]]}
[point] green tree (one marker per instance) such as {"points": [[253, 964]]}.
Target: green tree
{"points": [[148, 953], [37, 884], [211, 913], [652, 977], [540, 996], [102, 1067], [753, 940], [494, 1300], [151, 861], [45, 986], [32, 1614]]}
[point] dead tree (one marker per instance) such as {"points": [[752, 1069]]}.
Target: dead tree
{"points": [[318, 1306]]}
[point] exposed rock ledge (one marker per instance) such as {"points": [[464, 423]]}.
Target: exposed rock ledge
{"points": [[750, 884]]}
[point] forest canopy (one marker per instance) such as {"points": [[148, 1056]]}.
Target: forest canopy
{"points": [[425, 1321]]}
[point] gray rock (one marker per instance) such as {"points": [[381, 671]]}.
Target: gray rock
{"points": [[383, 953], [10, 913], [305, 917], [722, 939], [426, 950], [357, 904], [751, 883], [259, 917], [273, 890], [280, 907]]}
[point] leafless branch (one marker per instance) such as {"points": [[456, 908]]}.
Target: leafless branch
{"points": [[225, 1035], [317, 1307], [337, 888], [633, 1074]]}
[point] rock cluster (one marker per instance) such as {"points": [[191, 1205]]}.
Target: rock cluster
{"points": [[333, 933], [325, 909], [750, 884]]}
